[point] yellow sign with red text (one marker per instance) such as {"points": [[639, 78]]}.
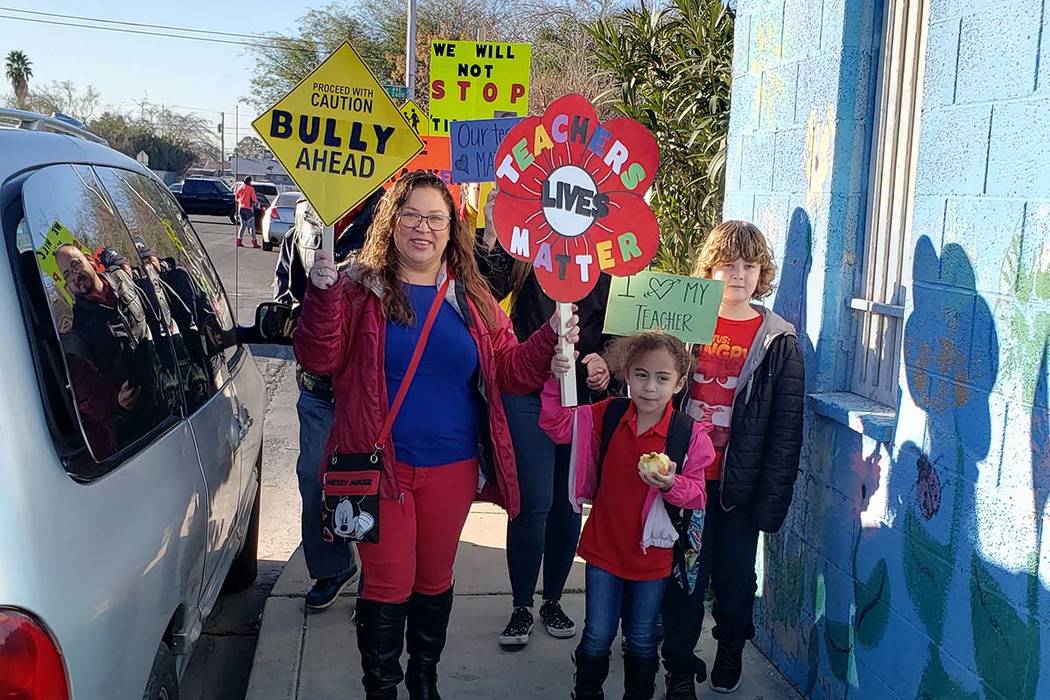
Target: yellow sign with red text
{"points": [[477, 80]]}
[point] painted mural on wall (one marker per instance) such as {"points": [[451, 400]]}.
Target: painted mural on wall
{"points": [[883, 551], [916, 567]]}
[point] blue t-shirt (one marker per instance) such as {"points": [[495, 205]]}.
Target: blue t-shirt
{"points": [[438, 422]]}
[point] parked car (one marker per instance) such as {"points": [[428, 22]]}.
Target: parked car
{"points": [[175, 187], [207, 196], [278, 218], [131, 448], [265, 188]]}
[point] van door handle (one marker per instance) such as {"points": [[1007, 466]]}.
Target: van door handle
{"points": [[245, 421]]}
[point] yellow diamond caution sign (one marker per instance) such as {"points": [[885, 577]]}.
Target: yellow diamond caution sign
{"points": [[338, 134], [416, 118]]}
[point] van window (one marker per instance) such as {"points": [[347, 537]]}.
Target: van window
{"points": [[218, 329], [187, 318], [122, 374]]}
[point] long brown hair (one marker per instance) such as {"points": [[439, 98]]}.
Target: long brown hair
{"points": [[380, 260]]}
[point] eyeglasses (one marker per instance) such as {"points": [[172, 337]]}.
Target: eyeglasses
{"points": [[436, 222]]}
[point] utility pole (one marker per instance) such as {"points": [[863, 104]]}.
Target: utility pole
{"points": [[410, 51], [236, 137], [222, 141]]}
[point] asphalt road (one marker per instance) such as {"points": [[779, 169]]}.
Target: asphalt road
{"points": [[221, 663]]}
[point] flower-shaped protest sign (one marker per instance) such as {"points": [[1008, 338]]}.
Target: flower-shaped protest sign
{"points": [[570, 197]]}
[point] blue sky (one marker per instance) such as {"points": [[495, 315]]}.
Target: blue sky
{"points": [[124, 68]]}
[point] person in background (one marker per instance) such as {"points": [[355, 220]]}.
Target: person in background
{"points": [[546, 532], [246, 202], [330, 560]]}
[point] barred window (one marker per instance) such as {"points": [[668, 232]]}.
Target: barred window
{"points": [[879, 303]]}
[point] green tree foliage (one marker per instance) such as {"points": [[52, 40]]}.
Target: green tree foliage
{"points": [[672, 71], [19, 69], [284, 59], [251, 147], [168, 148], [562, 56], [66, 98]]}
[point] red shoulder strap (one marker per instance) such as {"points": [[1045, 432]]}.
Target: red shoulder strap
{"points": [[413, 365]]}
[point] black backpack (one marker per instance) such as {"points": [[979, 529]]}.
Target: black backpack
{"points": [[679, 434]]}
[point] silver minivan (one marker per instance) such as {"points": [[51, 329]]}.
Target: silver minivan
{"points": [[131, 428]]}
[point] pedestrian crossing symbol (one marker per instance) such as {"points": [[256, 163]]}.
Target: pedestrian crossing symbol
{"points": [[338, 134], [416, 118]]}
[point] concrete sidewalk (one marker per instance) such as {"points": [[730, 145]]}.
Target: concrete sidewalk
{"points": [[315, 657]]}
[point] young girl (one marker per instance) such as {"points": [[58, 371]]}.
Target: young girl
{"points": [[749, 384], [630, 538]]}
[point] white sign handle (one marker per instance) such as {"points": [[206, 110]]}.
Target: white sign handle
{"points": [[328, 241], [568, 380]]}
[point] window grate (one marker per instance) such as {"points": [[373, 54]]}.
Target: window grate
{"points": [[880, 301]]}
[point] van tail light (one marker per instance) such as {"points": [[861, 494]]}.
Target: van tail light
{"points": [[31, 666], [274, 214]]}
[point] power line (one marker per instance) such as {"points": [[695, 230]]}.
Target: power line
{"points": [[134, 24], [161, 34]]}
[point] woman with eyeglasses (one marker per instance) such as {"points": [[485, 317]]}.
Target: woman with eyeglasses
{"points": [[449, 443]]}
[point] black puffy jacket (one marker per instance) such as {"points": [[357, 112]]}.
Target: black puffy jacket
{"points": [[765, 437]]}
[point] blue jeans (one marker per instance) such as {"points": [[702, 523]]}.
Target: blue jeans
{"points": [[247, 217], [547, 529], [611, 599], [323, 559]]}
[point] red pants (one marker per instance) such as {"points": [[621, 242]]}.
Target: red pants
{"points": [[419, 532]]}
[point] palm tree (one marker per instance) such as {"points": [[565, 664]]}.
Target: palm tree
{"points": [[19, 71]]}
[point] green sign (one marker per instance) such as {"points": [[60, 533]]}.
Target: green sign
{"points": [[397, 92], [685, 307]]}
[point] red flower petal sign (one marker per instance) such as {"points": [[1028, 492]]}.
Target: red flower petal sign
{"points": [[570, 197]]}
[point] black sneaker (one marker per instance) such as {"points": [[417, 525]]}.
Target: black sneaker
{"points": [[558, 624], [326, 590], [518, 630], [725, 674]]}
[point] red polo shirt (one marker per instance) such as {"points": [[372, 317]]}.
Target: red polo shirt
{"points": [[612, 537]]}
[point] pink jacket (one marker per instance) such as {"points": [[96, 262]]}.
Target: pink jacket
{"points": [[577, 425], [342, 333]]}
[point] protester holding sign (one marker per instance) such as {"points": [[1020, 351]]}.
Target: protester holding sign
{"points": [[366, 328], [548, 528], [749, 386], [641, 465]]}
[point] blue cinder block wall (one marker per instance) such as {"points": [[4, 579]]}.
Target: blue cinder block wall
{"points": [[914, 563]]}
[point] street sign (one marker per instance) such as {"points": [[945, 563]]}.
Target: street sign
{"points": [[396, 92], [338, 134], [143, 158], [416, 118]]}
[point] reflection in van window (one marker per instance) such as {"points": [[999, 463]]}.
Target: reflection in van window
{"points": [[123, 380], [185, 318]]}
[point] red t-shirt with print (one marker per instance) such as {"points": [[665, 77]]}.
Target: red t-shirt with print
{"points": [[612, 537], [718, 368]]}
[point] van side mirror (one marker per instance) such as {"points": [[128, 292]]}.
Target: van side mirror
{"points": [[274, 323]]}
